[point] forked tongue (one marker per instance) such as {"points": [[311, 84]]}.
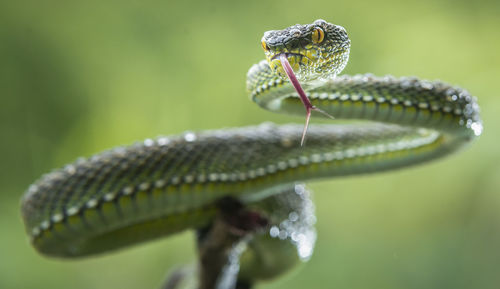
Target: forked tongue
{"points": [[303, 97]]}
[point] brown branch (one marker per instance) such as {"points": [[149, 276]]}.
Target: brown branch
{"points": [[218, 246]]}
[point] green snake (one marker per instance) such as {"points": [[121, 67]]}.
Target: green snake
{"points": [[169, 184]]}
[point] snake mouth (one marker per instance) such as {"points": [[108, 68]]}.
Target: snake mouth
{"points": [[288, 55], [299, 63]]}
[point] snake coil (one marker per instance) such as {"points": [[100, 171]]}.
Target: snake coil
{"points": [[165, 185]]}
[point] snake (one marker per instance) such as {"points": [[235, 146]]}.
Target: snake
{"points": [[161, 186]]}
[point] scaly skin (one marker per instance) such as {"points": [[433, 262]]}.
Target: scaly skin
{"points": [[162, 186]]}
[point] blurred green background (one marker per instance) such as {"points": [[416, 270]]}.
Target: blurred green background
{"points": [[78, 77]]}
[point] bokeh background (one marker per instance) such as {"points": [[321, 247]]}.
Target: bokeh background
{"points": [[78, 77]]}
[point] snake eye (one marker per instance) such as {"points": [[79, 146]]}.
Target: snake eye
{"points": [[318, 35], [264, 45]]}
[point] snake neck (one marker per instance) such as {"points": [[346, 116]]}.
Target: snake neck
{"points": [[405, 101]]}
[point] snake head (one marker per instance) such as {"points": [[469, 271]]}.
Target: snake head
{"points": [[317, 50]]}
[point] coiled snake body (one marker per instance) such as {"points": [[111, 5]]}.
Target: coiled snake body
{"points": [[161, 186]]}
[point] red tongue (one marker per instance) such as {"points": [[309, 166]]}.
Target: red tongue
{"points": [[303, 97]]}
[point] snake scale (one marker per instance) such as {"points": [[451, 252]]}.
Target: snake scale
{"points": [[161, 186]]}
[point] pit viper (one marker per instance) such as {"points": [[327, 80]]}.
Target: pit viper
{"points": [[168, 184]]}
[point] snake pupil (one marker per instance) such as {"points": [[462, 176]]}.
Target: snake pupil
{"points": [[318, 35]]}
